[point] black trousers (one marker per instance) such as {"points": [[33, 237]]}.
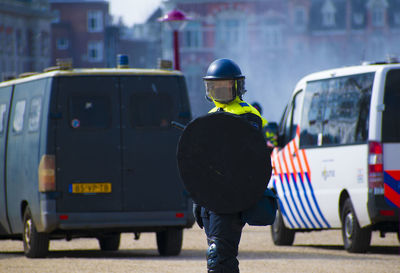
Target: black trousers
{"points": [[223, 236]]}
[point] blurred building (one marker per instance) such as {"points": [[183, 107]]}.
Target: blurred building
{"points": [[78, 31], [142, 52], [24, 36], [276, 42], [84, 32], [148, 36]]}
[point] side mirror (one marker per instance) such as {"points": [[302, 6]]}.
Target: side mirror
{"points": [[280, 141]]}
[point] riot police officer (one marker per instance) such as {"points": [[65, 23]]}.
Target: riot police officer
{"points": [[224, 84]]}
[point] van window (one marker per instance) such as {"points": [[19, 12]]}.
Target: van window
{"points": [[3, 109], [391, 115], [34, 114], [151, 110], [292, 118], [89, 112], [336, 111], [18, 122]]}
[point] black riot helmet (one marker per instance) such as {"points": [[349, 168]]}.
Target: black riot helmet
{"points": [[224, 81]]}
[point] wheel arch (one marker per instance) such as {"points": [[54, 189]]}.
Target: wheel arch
{"points": [[344, 195], [24, 205]]}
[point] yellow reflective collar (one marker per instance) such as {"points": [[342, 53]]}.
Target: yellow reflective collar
{"points": [[238, 107]]}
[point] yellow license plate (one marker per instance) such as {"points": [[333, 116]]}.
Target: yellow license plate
{"points": [[91, 187]]}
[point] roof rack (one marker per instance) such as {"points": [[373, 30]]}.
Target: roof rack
{"points": [[61, 64], [389, 60], [27, 74]]}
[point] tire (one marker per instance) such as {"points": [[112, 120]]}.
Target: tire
{"points": [[109, 242], [169, 242], [281, 235], [398, 235], [355, 239], [36, 244]]}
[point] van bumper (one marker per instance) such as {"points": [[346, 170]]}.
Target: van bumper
{"points": [[383, 217], [133, 221], [129, 221], [51, 220]]}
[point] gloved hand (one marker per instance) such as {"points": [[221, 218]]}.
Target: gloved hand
{"points": [[197, 215]]}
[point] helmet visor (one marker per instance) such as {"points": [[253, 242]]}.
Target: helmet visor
{"points": [[222, 91]]}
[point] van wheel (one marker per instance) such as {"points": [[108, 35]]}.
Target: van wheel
{"points": [[281, 235], [169, 242], [36, 244], [355, 239], [109, 242]]}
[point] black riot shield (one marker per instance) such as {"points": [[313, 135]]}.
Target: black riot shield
{"points": [[223, 162]]}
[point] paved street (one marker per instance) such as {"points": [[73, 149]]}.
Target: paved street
{"points": [[311, 252]]}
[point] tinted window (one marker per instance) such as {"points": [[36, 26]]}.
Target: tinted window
{"points": [[151, 110], [291, 119], [3, 110], [336, 111], [89, 112], [18, 122], [155, 101], [391, 115], [34, 114]]}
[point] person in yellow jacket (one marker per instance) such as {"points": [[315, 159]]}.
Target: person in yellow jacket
{"points": [[224, 84]]}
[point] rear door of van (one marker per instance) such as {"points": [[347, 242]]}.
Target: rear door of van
{"points": [[150, 174], [5, 99], [88, 144], [391, 138]]}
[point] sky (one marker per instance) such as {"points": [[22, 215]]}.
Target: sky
{"points": [[133, 11]]}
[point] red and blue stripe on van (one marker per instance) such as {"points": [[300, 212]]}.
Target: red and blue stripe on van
{"points": [[392, 187], [292, 180]]}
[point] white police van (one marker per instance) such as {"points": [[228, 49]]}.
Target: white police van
{"points": [[337, 165]]}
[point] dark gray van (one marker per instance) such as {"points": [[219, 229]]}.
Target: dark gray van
{"points": [[91, 153]]}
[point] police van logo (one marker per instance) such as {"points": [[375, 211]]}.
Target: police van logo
{"points": [[328, 173], [360, 176]]}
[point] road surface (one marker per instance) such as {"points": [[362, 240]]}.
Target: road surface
{"points": [[311, 252]]}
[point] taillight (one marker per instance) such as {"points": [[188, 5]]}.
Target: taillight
{"points": [[179, 215], [386, 212], [375, 167], [47, 173]]}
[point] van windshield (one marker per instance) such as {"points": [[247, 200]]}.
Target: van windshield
{"points": [[336, 111], [391, 115]]}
